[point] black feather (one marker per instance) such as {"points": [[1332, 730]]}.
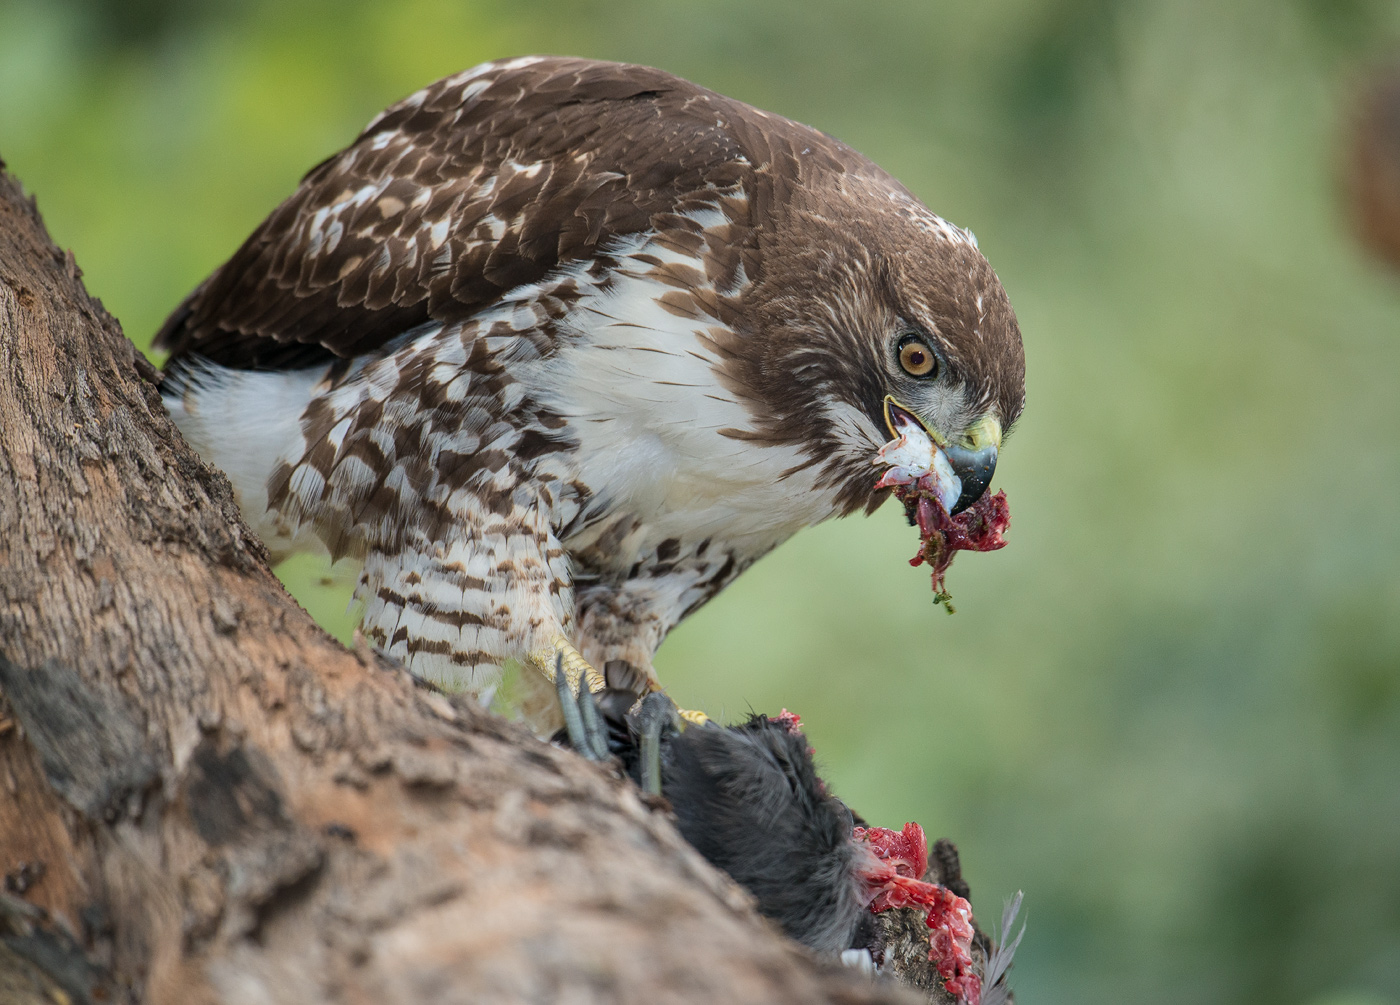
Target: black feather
{"points": [[749, 799]]}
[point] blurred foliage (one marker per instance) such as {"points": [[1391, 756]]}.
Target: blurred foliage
{"points": [[1170, 711]]}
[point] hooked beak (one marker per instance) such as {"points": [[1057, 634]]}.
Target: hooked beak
{"points": [[973, 458]]}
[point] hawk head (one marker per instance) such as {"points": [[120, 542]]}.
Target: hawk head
{"points": [[869, 303]]}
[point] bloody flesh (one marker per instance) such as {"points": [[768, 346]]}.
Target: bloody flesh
{"points": [[919, 474], [901, 858], [790, 721], [980, 527]]}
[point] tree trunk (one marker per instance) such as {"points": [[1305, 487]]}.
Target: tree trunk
{"points": [[205, 798]]}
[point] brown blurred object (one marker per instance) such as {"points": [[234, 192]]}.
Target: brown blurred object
{"points": [[1374, 170]]}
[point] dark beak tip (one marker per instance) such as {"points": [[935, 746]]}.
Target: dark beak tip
{"points": [[975, 471]]}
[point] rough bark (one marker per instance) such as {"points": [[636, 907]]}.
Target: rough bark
{"points": [[205, 798]]}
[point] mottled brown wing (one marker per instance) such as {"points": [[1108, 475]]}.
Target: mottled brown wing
{"points": [[474, 185]]}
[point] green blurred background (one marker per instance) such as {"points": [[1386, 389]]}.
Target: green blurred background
{"points": [[1170, 710]]}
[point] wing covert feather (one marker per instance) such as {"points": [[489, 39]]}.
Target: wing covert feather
{"points": [[475, 185]]}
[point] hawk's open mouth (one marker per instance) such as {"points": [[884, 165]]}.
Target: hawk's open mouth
{"points": [[934, 492], [971, 462]]}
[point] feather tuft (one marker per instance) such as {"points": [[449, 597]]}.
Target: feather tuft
{"points": [[998, 990]]}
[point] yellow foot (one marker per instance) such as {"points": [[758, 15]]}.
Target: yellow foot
{"points": [[561, 653]]}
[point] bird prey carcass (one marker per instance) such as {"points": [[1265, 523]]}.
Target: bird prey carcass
{"points": [[558, 348], [749, 799]]}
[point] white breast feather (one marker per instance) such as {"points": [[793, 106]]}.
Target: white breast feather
{"points": [[640, 390]]}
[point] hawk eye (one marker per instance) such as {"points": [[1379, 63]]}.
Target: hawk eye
{"points": [[917, 358]]}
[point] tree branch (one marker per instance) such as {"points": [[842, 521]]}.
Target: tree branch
{"points": [[208, 799]]}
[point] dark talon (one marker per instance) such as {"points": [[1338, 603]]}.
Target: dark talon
{"points": [[655, 713], [568, 704], [595, 738], [583, 723]]}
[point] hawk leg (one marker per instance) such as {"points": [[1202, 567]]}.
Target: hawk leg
{"points": [[620, 630], [454, 608]]}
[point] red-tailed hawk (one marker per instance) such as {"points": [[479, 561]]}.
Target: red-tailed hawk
{"points": [[561, 347]]}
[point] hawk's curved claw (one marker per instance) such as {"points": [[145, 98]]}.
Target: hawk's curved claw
{"points": [[588, 734], [653, 714]]}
